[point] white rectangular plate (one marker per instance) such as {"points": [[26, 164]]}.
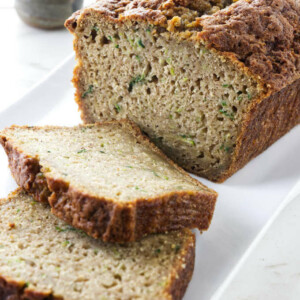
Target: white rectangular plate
{"points": [[246, 201], [269, 269]]}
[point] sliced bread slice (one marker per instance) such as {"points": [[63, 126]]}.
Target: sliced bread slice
{"points": [[41, 257], [107, 179]]}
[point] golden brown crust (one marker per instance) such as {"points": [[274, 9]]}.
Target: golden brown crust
{"points": [[155, 12], [263, 34], [13, 290], [182, 273], [104, 218], [266, 121], [27, 172], [121, 10]]}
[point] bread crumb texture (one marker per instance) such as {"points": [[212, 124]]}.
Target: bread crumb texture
{"points": [[108, 160], [107, 179], [189, 73], [44, 256]]}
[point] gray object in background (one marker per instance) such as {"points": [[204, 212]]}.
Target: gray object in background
{"points": [[47, 14]]}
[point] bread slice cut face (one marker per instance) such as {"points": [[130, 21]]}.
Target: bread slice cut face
{"points": [[107, 179], [211, 82], [42, 257]]}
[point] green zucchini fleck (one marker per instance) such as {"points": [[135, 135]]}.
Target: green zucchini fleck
{"points": [[67, 228], [227, 149], [227, 114], [140, 43], [138, 189], [149, 28], [65, 243], [117, 107], [88, 91], [188, 139], [226, 85], [136, 80], [59, 229], [155, 174], [96, 28], [82, 150]]}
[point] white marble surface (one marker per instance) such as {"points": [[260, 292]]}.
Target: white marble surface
{"points": [[270, 268], [28, 54]]}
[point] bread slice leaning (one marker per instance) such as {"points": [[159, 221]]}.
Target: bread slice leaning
{"points": [[41, 257], [107, 179]]}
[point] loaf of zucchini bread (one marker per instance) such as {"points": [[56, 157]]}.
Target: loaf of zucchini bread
{"points": [[42, 258], [213, 83], [107, 179]]}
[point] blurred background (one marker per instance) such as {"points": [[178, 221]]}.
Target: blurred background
{"points": [[27, 53]]}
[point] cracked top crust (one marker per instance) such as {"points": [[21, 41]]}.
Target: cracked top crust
{"points": [[156, 12], [264, 35]]}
